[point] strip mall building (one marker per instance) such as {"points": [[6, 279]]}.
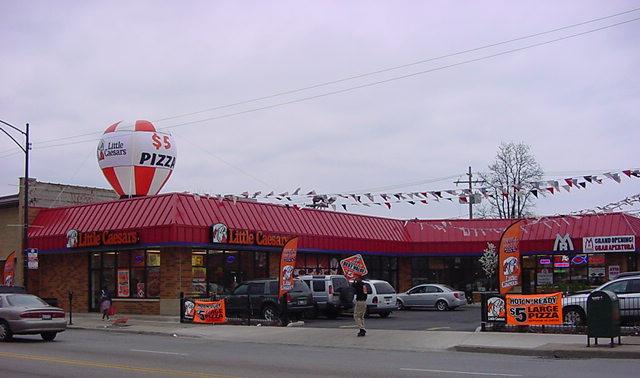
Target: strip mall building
{"points": [[148, 250]]}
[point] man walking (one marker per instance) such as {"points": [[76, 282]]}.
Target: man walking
{"points": [[361, 304]]}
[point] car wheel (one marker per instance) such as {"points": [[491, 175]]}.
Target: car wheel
{"points": [[269, 313], [385, 314], [400, 305], [574, 316], [48, 336], [5, 332], [441, 305]]}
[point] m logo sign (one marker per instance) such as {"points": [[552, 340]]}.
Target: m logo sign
{"points": [[563, 243]]}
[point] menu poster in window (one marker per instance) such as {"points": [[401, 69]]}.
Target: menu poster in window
{"points": [[545, 278], [614, 271], [140, 289], [123, 283], [597, 272]]}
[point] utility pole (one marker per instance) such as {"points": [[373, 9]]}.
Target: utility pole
{"points": [[470, 182]]}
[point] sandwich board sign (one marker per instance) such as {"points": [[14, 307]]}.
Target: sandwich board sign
{"points": [[354, 266]]}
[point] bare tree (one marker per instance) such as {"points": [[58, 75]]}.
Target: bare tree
{"points": [[510, 177]]}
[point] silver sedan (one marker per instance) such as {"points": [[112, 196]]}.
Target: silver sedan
{"points": [[25, 314], [438, 296]]}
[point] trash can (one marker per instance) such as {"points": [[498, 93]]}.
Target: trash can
{"points": [[603, 316]]}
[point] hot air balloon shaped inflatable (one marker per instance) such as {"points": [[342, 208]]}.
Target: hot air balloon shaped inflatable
{"points": [[135, 158]]}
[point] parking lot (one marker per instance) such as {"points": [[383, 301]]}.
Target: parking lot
{"points": [[461, 319]]}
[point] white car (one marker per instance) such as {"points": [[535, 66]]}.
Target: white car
{"points": [[626, 287], [441, 297], [381, 297]]}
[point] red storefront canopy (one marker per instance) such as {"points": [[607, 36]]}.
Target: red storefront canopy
{"points": [[185, 219]]}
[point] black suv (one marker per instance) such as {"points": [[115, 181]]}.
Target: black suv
{"points": [[260, 297]]}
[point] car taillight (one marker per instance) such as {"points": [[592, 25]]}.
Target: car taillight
{"points": [[38, 315], [330, 289], [375, 300], [457, 295], [289, 298]]}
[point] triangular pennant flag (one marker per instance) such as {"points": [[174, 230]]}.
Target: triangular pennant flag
{"points": [[269, 195], [424, 201], [245, 194], [366, 204], [343, 196], [550, 190], [256, 194], [437, 194], [412, 202], [463, 199], [534, 192], [384, 196], [296, 192], [370, 197], [410, 195], [449, 199], [312, 193], [284, 194], [588, 178], [452, 192], [467, 191], [399, 196], [567, 187], [569, 181], [424, 194], [636, 172], [616, 177], [388, 205], [583, 184], [344, 207], [333, 207]]}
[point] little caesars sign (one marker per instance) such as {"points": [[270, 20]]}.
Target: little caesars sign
{"points": [[599, 244]]}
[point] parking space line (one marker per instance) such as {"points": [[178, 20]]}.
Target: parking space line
{"points": [[461, 372], [437, 328]]}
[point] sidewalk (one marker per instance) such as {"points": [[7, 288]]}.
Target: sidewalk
{"points": [[529, 344]]}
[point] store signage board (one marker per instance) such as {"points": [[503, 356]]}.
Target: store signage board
{"points": [[77, 239], [538, 309], [614, 272], [600, 244], [220, 233], [354, 266]]}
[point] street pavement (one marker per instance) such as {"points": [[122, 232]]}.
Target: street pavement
{"points": [[95, 353], [462, 319], [544, 345]]}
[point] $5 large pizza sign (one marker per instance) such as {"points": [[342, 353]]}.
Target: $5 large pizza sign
{"points": [[136, 158]]}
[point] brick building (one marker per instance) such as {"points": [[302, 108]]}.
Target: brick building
{"points": [[148, 250]]}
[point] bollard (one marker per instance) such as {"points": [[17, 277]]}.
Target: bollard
{"points": [[182, 320], [70, 308], [249, 310]]}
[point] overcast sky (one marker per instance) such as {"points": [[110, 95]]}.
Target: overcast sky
{"points": [[71, 68]]}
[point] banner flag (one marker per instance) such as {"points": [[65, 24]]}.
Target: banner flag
{"points": [[538, 309], [8, 277], [509, 262], [209, 312], [287, 265]]}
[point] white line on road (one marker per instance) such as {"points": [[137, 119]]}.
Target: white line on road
{"points": [[158, 352], [462, 372], [437, 328]]}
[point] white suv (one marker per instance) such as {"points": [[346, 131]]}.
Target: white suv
{"points": [[381, 297], [626, 287], [331, 293]]}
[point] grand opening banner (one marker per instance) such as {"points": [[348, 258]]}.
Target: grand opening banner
{"points": [[509, 263], [538, 309]]}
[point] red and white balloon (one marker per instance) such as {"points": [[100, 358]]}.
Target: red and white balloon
{"points": [[135, 158]]}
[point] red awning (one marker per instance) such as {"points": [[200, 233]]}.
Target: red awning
{"points": [[185, 219]]}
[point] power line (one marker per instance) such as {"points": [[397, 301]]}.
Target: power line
{"points": [[367, 74], [371, 73], [371, 84]]}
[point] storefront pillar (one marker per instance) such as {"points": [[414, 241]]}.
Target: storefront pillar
{"points": [[404, 274], [175, 273]]}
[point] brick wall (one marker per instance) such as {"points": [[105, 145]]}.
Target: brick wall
{"points": [[10, 232], [59, 274], [147, 307], [175, 272]]}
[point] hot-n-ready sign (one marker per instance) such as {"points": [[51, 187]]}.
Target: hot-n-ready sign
{"points": [[599, 244]]}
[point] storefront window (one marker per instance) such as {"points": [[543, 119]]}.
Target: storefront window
{"points": [[382, 268], [198, 273], [317, 264]]}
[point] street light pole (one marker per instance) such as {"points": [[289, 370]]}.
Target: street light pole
{"points": [[25, 149]]}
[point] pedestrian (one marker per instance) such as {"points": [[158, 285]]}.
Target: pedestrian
{"points": [[361, 304], [105, 303]]}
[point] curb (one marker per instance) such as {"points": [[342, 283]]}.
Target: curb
{"points": [[551, 353]]}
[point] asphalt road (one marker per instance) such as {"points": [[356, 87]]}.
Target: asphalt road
{"points": [[461, 319], [83, 353]]}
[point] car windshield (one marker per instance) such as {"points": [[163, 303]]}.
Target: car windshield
{"points": [[384, 288], [20, 300]]}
